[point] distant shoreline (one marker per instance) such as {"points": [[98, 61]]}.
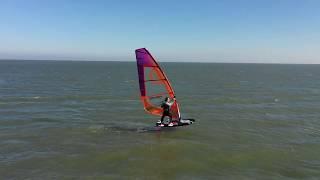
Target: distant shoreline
{"points": [[133, 61]]}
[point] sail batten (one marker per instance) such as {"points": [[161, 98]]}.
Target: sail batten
{"points": [[154, 85]]}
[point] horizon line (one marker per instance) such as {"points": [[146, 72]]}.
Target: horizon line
{"points": [[165, 61]]}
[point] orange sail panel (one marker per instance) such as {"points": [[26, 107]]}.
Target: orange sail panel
{"points": [[154, 85]]}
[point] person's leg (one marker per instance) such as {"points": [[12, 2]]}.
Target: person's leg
{"points": [[170, 117], [162, 117]]}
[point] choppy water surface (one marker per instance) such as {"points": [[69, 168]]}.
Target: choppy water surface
{"points": [[85, 120]]}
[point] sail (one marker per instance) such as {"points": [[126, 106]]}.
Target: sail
{"points": [[154, 85]]}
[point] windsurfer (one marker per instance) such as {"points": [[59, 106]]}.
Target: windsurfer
{"points": [[166, 105]]}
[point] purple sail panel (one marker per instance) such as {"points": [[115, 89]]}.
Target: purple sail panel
{"points": [[144, 58], [141, 59]]}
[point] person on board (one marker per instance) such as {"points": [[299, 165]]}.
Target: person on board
{"points": [[166, 106]]}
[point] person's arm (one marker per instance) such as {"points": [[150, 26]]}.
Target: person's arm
{"points": [[172, 101]]}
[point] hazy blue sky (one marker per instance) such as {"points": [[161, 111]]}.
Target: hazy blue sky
{"points": [[275, 31]]}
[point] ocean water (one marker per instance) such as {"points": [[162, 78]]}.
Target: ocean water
{"points": [[73, 120]]}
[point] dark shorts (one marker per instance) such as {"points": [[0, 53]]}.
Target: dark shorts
{"points": [[166, 113]]}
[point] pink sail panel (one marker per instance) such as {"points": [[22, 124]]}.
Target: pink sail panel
{"points": [[154, 85]]}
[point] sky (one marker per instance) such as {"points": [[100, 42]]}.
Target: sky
{"points": [[235, 31]]}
